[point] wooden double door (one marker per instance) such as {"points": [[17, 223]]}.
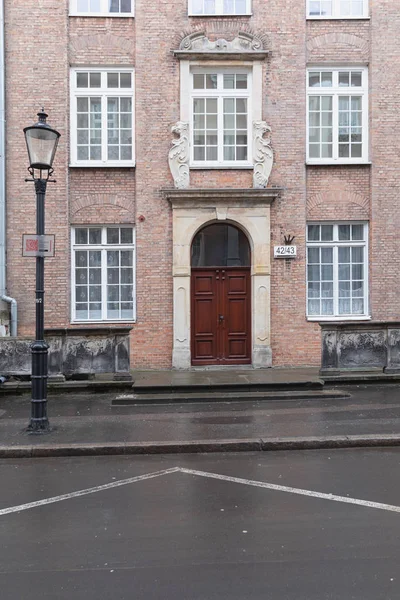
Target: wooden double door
{"points": [[221, 316]]}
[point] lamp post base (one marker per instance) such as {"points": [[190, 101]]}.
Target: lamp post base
{"points": [[38, 426]]}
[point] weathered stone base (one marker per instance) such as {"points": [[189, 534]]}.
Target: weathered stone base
{"points": [[362, 346], [73, 353]]}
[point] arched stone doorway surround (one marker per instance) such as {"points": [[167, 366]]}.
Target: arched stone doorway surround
{"points": [[248, 209]]}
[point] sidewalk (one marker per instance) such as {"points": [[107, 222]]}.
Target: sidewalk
{"points": [[90, 424]]}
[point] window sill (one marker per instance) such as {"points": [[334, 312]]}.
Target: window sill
{"points": [[341, 318], [104, 15], [247, 14], [100, 165], [337, 162], [220, 167], [105, 322], [324, 18]]}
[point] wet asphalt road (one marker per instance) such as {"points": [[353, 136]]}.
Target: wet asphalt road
{"points": [[182, 536]]}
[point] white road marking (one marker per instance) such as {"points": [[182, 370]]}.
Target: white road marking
{"points": [[291, 490], [93, 490], [249, 482]]}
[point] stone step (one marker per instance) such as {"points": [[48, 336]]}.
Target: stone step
{"points": [[213, 385], [221, 396]]}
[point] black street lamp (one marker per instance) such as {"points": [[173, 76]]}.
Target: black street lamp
{"points": [[41, 141]]}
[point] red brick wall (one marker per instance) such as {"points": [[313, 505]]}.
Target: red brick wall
{"points": [[48, 46], [385, 156]]}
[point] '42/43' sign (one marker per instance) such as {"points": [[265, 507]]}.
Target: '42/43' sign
{"points": [[285, 251]]}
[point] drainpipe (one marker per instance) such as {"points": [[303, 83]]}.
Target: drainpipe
{"points": [[3, 296], [14, 313]]}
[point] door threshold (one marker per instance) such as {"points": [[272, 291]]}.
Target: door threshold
{"points": [[221, 368]]}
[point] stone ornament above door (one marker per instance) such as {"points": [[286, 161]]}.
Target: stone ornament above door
{"points": [[197, 46]]}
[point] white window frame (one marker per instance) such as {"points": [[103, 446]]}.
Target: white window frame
{"points": [[219, 10], [336, 244], [104, 92], [336, 12], [335, 91], [103, 247], [104, 11], [220, 94]]}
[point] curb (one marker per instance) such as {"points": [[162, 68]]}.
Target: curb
{"points": [[200, 446]]}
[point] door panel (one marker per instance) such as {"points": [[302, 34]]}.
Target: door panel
{"points": [[204, 317], [237, 340], [221, 316]]}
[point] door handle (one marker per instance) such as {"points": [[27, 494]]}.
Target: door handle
{"points": [[221, 318]]}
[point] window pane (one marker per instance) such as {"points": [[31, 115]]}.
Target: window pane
{"points": [[113, 258], [82, 80], [112, 235], [313, 232], [112, 80], [314, 79], [326, 233], [198, 81], [314, 290], [81, 235], [126, 235], [241, 82], [209, 7], [126, 275], [357, 232], [344, 79], [81, 276], [94, 276], [229, 81], [126, 7], [326, 79], [94, 236], [197, 7], [314, 307], [344, 255], [344, 232], [327, 255], [126, 258], [313, 255], [220, 245], [356, 79], [313, 273], [326, 273], [113, 6], [211, 82], [94, 258], [357, 254], [112, 275], [95, 80]]}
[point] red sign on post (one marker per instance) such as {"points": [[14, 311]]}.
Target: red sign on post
{"points": [[38, 245]]}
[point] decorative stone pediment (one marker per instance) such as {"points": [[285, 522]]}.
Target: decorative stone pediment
{"points": [[246, 46]]}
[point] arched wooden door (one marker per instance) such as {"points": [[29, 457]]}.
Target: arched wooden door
{"points": [[220, 297]]}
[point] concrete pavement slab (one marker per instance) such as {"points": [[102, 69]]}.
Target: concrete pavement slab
{"points": [[90, 424]]}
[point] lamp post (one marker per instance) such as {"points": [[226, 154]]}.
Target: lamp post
{"points": [[41, 141]]}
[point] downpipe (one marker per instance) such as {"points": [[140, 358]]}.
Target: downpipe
{"points": [[14, 314]]}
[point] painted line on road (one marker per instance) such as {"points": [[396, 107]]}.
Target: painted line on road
{"points": [[93, 490], [249, 482], [291, 490]]}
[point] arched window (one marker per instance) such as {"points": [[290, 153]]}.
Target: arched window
{"points": [[220, 245]]}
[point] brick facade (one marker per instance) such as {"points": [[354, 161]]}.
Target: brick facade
{"points": [[41, 36]]}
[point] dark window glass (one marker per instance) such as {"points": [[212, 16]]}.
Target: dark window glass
{"points": [[220, 246]]}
